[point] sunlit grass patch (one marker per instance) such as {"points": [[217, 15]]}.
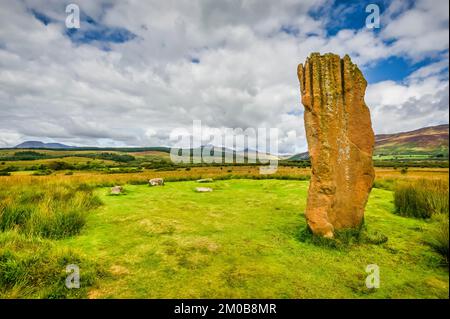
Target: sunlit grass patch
{"points": [[31, 267], [421, 198], [242, 241], [438, 236], [53, 210], [239, 241]]}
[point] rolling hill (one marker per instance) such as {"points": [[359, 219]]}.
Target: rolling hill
{"points": [[430, 141]]}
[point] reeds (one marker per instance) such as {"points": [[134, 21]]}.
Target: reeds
{"points": [[50, 210], [421, 198]]}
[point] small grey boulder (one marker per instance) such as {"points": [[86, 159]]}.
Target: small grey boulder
{"points": [[116, 190]]}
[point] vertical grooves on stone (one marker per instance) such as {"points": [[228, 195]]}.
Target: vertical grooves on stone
{"points": [[342, 79], [342, 62], [302, 80], [301, 77], [319, 71], [310, 75]]}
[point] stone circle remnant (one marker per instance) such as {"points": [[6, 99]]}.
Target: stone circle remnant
{"points": [[156, 182]]}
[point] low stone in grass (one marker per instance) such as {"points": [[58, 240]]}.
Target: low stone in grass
{"points": [[156, 182], [116, 190], [205, 180], [203, 189]]}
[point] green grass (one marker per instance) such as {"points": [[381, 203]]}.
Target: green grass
{"points": [[46, 210], [385, 183], [75, 160], [421, 198], [438, 237], [32, 267], [401, 156], [243, 241]]}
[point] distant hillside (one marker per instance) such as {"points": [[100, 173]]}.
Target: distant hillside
{"points": [[427, 141], [299, 157], [431, 141], [220, 153], [39, 144]]}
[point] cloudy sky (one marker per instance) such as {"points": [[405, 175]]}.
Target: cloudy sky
{"points": [[136, 70]]}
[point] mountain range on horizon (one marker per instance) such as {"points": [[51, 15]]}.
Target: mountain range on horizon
{"points": [[39, 144], [426, 140]]}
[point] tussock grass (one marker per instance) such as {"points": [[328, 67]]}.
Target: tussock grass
{"points": [[421, 198], [53, 210], [438, 237], [385, 183], [33, 213], [35, 268]]}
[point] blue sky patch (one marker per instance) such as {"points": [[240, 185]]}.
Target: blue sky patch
{"points": [[101, 34], [393, 68], [90, 31], [41, 17], [347, 14], [289, 30]]}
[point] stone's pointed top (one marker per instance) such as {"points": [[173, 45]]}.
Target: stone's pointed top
{"points": [[316, 55], [328, 55], [346, 74], [299, 67]]}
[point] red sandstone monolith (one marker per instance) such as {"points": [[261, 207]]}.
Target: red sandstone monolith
{"points": [[340, 142]]}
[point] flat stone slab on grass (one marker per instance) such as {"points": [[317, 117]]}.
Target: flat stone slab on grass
{"points": [[205, 180], [203, 189]]}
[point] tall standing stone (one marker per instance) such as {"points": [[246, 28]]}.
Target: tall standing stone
{"points": [[340, 142]]}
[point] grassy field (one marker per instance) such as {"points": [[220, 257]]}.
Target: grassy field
{"points": [[245, 239], [69, 160], [401, 156], [171, 242], [98, 160]]}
